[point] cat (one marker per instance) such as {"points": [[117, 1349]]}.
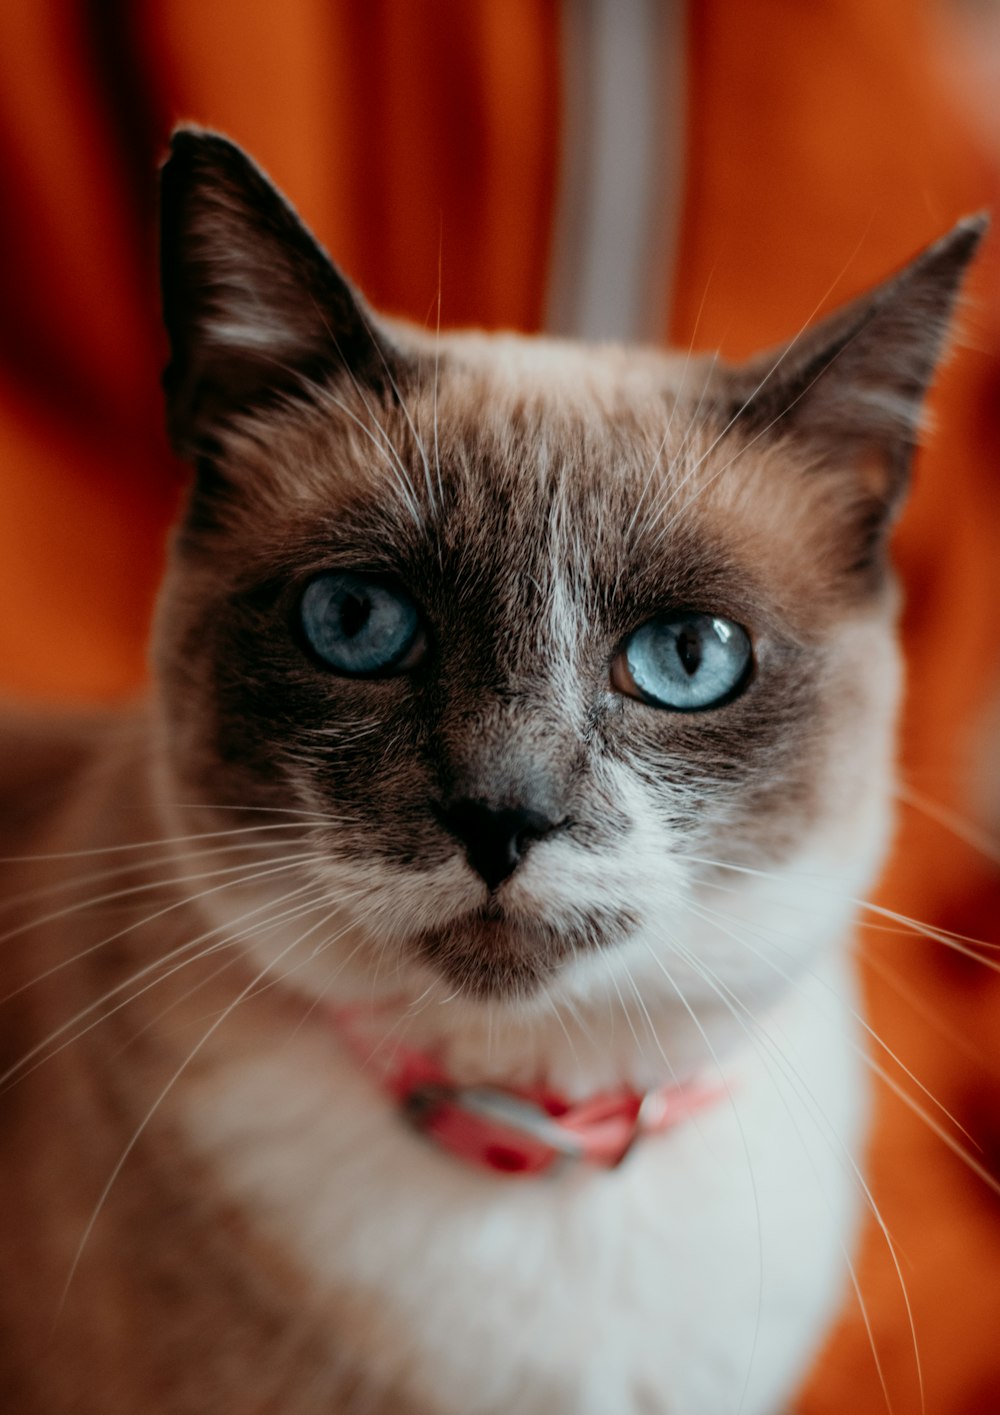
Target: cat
{"points": [[437, 997]]}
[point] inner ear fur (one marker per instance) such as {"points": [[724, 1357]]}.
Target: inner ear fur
{"points": [[852, 388], [254, 308]]}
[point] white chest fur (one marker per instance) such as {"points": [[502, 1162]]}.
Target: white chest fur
{"points": [[697, 1279]]}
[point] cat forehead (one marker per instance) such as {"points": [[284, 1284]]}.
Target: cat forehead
{"points": [[495, 438], [520, 458], [564, 374], [499, 405]]}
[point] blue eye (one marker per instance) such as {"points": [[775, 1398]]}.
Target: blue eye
{"points": [[686, 662], [360, 626]]}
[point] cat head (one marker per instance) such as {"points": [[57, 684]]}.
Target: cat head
{"points": [[552, 660]]}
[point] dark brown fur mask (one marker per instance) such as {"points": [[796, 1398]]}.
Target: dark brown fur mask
{"points": [[443, 608]]}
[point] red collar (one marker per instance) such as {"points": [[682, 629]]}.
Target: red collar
{"points": [[513, 1130]]}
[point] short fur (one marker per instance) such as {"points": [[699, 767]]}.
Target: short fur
{"points": [[266, 840]]}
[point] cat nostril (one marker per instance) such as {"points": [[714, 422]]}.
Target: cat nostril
{"points": [[495, 837]]}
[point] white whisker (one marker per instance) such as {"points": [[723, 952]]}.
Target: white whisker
{"points": [[144, 1123], [154, 967], [757, 1035], [245, 875]]}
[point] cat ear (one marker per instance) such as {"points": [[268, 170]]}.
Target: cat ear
{"points": [[853, 387], [254, 308]]}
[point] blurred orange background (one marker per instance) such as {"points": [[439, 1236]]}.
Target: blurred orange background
{"points": [[729, 167]]}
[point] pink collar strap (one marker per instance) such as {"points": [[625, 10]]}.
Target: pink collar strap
{"points": [[518, 1131]]}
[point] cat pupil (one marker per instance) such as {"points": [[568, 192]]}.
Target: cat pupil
{"points": [[689, 651], [355, 611]]}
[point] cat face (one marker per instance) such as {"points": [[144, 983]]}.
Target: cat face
{"points": [[564, 658]]}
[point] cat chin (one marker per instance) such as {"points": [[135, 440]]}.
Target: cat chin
{"points": [[493, 955]]}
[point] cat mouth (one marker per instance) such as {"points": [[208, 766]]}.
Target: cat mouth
{"points": [[494, 953]]}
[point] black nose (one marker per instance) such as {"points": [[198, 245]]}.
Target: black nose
{"points": [[495, 837]]}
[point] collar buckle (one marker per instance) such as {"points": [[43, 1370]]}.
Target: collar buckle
{"points": [[501, 1130]]}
